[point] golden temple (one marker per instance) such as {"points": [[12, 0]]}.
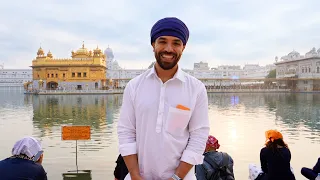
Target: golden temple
{"points": [[86, 69]]}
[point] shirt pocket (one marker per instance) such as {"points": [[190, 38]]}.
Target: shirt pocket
{"points": [[177, 121]]}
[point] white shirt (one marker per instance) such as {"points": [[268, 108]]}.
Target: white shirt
{"points": [[161, 135]]}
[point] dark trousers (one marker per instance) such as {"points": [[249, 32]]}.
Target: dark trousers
{"points": [[309, 173], [121, 169]]}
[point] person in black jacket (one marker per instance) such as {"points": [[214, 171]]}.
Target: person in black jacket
{"points": [[25, 162], [311, 173], [275, 158], [121, 169]]}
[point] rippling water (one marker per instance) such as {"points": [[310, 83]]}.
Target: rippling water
{"points": [[237, 120]]}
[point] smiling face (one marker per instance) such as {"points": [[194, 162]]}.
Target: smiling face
{"points": [[168, 51]]}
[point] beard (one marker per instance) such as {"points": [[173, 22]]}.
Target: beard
{"points": [[167, 65]]}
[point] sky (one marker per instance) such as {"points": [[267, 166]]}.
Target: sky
{"points": [[224, 32]]}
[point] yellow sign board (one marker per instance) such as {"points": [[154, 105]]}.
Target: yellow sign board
{"points": [[76, 132]]}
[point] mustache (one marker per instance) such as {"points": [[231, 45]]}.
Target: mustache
{"points": [[168, 53]]}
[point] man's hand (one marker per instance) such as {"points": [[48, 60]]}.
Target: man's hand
{"points": [[133, 167], [183, 169]]}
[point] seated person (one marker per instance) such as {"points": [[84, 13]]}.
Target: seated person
{"points": [[311, 173], [275, 159], [25, 162], [121, 169], [216, 164]]}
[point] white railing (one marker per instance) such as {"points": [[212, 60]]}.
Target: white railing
{"points": [[111, 91], [120, 91], [248, 90]]}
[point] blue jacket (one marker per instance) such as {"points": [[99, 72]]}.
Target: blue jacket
{"points": [[216, 157], [18, 169]]}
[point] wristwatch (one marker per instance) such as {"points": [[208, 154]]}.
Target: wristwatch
{"points": [[175, 177]]}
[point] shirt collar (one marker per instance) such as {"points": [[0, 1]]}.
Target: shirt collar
{"points": [[178, 75]]}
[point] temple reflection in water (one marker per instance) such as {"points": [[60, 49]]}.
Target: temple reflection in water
{"points": [[56, 110]]}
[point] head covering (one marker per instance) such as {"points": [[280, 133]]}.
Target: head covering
{"points": [[213, 142], [170, 26], [273, 135], [28, 146]]}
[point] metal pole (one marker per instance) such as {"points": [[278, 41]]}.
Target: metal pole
{"points": [[77, 155]]}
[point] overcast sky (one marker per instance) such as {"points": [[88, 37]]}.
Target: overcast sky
{"points": [[224, 32]]}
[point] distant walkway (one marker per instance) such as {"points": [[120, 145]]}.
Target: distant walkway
{"points": [[120, 91], [74, 92], [247, 90]]}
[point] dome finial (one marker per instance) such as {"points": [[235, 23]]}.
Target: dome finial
{"points": [[82, 44]]}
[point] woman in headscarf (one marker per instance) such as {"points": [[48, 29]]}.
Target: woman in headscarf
{"points": [[275, 159], [216, 164], [25, 162]]}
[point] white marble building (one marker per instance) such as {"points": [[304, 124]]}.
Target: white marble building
{"points": [[257, 71], [119, 76], [306, 68], [14, 77], [201, 66]]}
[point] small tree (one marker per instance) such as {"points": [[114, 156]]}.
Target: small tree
{"points": [[272, 74]]}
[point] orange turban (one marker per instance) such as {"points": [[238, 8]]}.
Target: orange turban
{"points": [[273, 135]]}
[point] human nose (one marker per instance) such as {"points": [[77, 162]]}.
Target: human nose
{"points": [[168, 47]]}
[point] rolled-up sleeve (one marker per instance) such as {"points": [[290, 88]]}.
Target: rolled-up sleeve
{"points": [[127, 124], [199, 130]]}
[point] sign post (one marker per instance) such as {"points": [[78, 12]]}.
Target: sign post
{"points": [[70, 132]]}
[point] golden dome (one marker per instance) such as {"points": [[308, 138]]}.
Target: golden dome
{"points": [[49, 54], [97, 50], [82, 50], [40, 51]]}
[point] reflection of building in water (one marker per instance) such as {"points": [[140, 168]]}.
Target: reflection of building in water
{"points": [[20, 100], [85, 70], [224, 100], [297, 109], [291, 109], [113, 107], [56, 110]]}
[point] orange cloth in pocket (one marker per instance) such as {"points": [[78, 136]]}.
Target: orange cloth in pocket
{"points": [[179, 106]]}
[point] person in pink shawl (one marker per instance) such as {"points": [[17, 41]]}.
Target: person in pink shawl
{"points": [[216, 164]]}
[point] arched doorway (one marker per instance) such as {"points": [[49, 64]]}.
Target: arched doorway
{"points": [[96, 85], [52, 85]]}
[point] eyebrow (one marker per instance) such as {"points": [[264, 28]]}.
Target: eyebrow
{"points": [[164, 39], [161, 38]]}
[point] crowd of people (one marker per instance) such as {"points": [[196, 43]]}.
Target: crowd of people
{"points": [[27, 157], [163, 127]]}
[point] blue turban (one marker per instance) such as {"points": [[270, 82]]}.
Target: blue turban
{"points": [[170, 26]]}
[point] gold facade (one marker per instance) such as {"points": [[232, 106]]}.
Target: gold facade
{"points": [[85, 69]]}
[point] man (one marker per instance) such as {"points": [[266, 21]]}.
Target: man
{"points": [[163, 124], [25, 162], [216, 165]]}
